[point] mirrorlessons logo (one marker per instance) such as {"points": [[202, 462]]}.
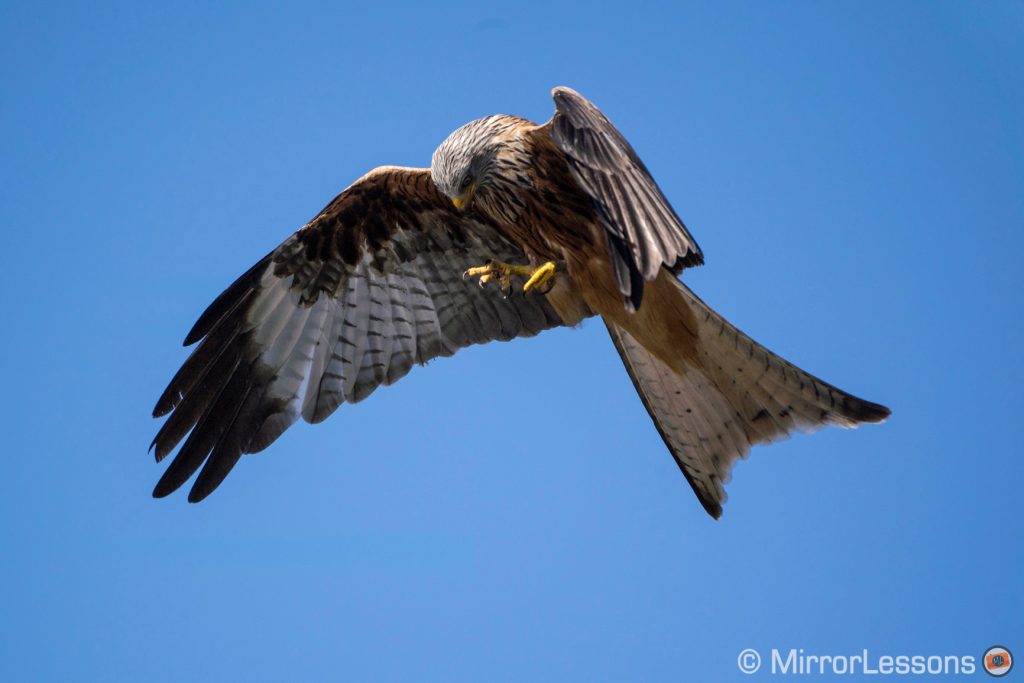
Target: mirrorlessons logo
{"points": [[997, 661]]}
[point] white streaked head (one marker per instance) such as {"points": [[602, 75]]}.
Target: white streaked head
{"points": [[462, 162]]}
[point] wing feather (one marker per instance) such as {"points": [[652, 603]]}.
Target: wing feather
{"points": [[350, 302], [403, 350], [644, 232]]}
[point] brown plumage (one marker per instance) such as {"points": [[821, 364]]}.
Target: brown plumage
{"points": [[375, 284]]}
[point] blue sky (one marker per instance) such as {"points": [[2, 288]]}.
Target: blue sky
{"points": [[853, 173]]}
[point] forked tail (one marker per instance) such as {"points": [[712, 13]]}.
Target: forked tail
{"points": [[743, 394]]}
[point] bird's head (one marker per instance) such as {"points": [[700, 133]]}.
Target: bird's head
{"points": [[461, 165]]}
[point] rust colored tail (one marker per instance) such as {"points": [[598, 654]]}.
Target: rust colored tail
{"points": [[737, 394]]}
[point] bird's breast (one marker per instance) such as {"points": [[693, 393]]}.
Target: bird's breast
{"points": [[537, 203]]}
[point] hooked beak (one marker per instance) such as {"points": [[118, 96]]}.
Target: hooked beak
{"points": [[465, 199]]}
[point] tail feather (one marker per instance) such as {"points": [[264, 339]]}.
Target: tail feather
{"points": [[742, 394]]}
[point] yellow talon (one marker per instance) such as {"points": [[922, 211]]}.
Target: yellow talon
{"points": [[540, 276], [483, 272], [499, 270], [503, 272]]}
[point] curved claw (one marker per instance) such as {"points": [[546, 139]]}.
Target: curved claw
{"points": [[497, 270], [485, 273], [540, 278]]}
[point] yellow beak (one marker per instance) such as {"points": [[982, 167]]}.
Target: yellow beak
{"points": [[465, 199]]}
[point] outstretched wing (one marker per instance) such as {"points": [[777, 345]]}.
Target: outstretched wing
{"points": [[351, 301], [644, 232]]}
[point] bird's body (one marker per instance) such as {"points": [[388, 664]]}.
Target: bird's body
{"points": [[531, 192], [376, 283]]}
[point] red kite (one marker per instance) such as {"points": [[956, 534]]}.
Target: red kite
{"points": [[514, 229]]}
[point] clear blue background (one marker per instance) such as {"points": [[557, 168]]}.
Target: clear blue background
{"points": [[854, 174]]}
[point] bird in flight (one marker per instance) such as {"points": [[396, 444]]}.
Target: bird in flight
{"points": [[514, 229]]}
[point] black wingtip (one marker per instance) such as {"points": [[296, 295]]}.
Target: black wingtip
{"points": [[713, 509], [711, 505], [157, 455], [213, 313], [872, 412], [213, 473], [162, 490], [692, 259], [227, 300], [198, 331], [166, 403], [195, 496]]}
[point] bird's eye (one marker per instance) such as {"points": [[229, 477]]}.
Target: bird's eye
{"points": [[466, 180]]}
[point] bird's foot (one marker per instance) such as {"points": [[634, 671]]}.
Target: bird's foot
{"points": [[501, 272], [541, 276]]}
